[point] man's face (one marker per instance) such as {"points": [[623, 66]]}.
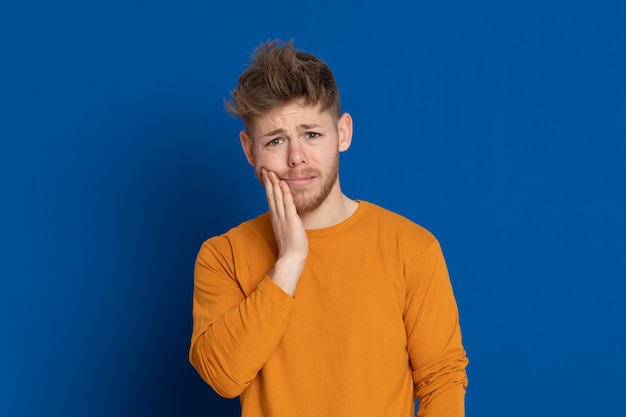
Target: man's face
{"points": [[301, 144]]}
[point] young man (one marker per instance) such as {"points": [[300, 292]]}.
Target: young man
{"points": [[324, 306]]}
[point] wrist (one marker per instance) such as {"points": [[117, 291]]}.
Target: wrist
{"points": [[286, 273]]}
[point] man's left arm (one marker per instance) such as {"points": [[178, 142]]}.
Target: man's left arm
{"points": [[435, 347]]}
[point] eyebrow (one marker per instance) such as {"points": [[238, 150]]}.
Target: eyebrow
{"points": [[280, 130]]}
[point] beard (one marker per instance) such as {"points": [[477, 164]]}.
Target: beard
{"points": [[309, 199]]}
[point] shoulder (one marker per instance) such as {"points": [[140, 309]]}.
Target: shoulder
{"points": [[416, 248], [396, 224], [244, 254], [257, 230], [397, 235]]}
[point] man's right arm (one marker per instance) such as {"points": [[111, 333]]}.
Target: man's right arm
{"points": [[234, 335]]}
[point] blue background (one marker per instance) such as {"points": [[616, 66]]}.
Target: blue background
{"points": [[498, 125]]}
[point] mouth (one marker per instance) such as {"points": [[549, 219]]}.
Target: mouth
{"points": [[300, 181]]}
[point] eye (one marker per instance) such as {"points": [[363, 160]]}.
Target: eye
{"points": [[274, 142], [312, 135]]}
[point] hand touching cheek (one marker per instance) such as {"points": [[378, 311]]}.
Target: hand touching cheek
{"points": [[293, 245]]}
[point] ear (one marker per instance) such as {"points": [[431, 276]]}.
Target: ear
{"points": [[344, 129], [247, 144]]}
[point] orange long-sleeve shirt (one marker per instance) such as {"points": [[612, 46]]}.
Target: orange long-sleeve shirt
{"points": [[373, 323]]}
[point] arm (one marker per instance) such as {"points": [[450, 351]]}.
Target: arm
{"points": [[234, 335], [435, 348]]}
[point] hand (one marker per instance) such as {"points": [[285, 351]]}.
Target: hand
{"points": [[293, 245]]}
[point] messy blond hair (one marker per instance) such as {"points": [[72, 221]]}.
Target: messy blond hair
{"points": [[279, 74]]}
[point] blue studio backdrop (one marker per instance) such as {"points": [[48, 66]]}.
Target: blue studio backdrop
{"points": [[498, 125]]}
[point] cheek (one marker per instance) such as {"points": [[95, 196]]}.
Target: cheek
{"points": [[264, 160], [329, 157]]}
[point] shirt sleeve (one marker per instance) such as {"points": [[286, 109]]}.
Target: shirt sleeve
{"points": [[437, 356], [233, 334]]}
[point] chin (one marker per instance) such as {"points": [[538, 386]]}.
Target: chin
{"points": [[308, 205]]}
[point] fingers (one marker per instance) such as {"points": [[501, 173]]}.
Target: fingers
{"points": [[269, 191], [290, 206], [277, 193], [288, 228]]}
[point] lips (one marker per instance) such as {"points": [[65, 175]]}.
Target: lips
{"points": [[300, 181]]}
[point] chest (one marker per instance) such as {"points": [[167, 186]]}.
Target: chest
{"points": [[350, 289]]}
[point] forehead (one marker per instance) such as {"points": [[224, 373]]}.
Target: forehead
{"points": [[291, 116]]}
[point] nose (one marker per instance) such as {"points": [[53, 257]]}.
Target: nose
{"points": [[296, 155]]}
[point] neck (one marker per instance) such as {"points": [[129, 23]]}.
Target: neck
{"points": [[333, 210]]}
